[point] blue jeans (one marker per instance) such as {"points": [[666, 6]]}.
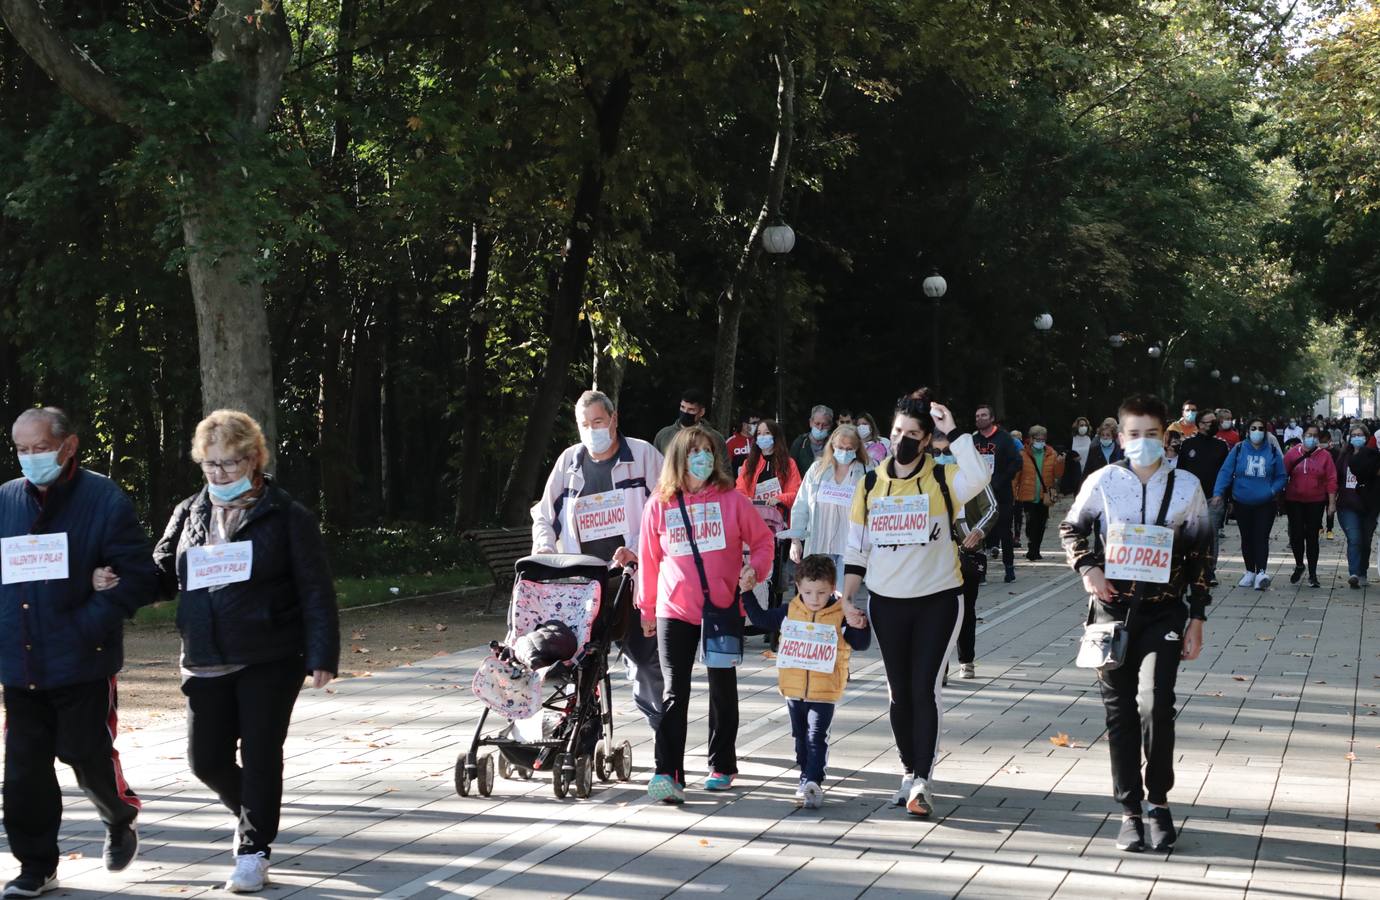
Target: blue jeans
{"points": [[1359, 528], [810, 723]]}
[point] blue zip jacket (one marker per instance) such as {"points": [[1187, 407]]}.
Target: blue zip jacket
{"points": [[1253, 474], [60, 632]]}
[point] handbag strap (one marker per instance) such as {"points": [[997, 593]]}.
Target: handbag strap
{"points": [[1164, 503], [948, 503], [694, 550]]}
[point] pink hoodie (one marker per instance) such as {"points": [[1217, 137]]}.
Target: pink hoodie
{"points": [[668, 584], [1311, 478]]}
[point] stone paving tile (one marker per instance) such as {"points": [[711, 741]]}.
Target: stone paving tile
{"points": [[1270, 803]]}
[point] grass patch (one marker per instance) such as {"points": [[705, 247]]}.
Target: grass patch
{"points": [[358, 591]]}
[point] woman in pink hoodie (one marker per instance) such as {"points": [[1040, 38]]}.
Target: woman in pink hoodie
{"points": [[1312, 489], [672, 595]]}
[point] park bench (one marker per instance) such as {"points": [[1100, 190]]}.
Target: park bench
{"points": [[501, 548]]}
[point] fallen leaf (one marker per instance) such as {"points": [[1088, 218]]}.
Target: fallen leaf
{"points": [[1238, 678], [355, 648], [356, 635], [1213, 694], [1263, 637], [440, 626], [1320, 682], [1062, 740], [767, 654], [75, 854], [394, 649], [1351, 757], [703, 842]]}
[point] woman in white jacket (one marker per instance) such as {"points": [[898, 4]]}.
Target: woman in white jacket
{"points": [[819, 519]]}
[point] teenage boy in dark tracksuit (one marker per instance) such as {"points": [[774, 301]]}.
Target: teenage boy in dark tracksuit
{"points": [[998, 450], [1162, 628]]}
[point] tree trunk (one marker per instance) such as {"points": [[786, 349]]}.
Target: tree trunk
{"points": [[733, 299], [563, 311], [473, 403], [232, 328]]}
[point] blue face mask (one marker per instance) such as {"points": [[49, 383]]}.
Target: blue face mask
{"points": [[701, 464], [1190, 415], [225, 493], [844, 457], [1144, 451], [945, 459], [1106, 443], [819, 434], [765, 443], [42, 469], [1309, 442], [1257, 437], [1358, 441], [1037, 445]]}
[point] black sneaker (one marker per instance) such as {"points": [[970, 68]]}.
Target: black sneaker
{"points": [[1313, 581], [1010, 575], [31, 884], [121, 846], [1298, 574], [1132, 836], [1354, 582], [1212, 582], [1162, 832]]}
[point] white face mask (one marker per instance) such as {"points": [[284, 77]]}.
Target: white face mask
{"points": [[1082, 430], [1226, 423], [596, 440], [864, 430]]}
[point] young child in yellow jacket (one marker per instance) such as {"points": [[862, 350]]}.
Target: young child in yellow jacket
{"points": [[812, 665]]}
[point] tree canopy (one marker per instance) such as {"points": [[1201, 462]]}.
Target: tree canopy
{"points": [[424, 226]]}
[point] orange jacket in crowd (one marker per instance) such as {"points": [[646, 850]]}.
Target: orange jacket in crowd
{"points": [[1026, 482]]}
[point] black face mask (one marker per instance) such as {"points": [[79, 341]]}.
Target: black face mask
{"points": [[1213, 428], [907, 450], [686, 419]]}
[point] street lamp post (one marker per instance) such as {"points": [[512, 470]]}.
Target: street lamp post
{"points": [[778, 239], [935, 287]]}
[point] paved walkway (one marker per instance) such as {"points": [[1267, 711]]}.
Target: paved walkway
{"points": [[1272, 803]]}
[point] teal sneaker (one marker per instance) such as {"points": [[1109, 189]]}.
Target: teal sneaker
{"points": [[665, 789], [718, 781]]}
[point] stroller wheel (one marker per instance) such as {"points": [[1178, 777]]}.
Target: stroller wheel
{"points": [[505, 768], [486, 775], [559, 786], [622, 761], [603, 766], [584, 776], [462, 776]]}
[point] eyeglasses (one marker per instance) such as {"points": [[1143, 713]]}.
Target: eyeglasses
{"points": [[223, 466]]}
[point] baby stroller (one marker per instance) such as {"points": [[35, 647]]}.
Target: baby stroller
{"points": [[771, 593], [549, 680]]}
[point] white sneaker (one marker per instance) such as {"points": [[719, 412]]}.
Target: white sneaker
{"points": [[903, 793], [800, 794], [1262, 581], [967, 670], [250, 875], [814, 795], [920, 803], [1247, 580]]}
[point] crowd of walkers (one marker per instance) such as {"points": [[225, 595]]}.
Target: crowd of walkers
{"points": [[847, 530]]}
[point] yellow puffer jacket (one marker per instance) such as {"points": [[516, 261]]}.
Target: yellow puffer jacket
{"points": [[800, 684]]}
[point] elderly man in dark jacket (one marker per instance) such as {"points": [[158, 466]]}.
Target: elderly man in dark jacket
{"points": [[62, 643]]}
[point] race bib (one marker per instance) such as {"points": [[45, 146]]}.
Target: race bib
{"points": [[1139, 552], [709, 529], [836, 494], [990, 461], [899, 520], [34, 557], [1351, 481], [599, 516], [811, 646], [219, 564], [768, 490]]}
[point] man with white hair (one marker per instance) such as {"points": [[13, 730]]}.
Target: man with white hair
{"points": [[807, 448], [593, 505], [62, 643]]}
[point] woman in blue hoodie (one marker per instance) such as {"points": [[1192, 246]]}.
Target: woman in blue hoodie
{"points": [[1253, 475]]}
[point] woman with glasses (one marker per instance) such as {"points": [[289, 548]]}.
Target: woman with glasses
{"points": [[257, 614], [1252, 476]]}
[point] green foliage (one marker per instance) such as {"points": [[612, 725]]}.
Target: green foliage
{"points": [[409, 550]]}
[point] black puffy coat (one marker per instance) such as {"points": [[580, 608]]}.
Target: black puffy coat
{"points": [[287, 607], [60, 632]]}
